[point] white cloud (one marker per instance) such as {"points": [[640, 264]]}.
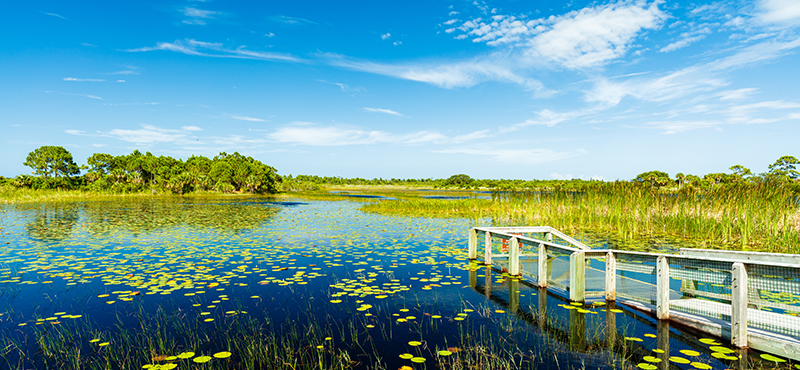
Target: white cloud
{"points": [[446, 75], [517, 156], [125, 72], [269, 34], [381, 110], [344, 87], [216, 50], [293, 21], [674, 127], [146, 135], [55, 15], [304, 133], [90, 96], [83, 79], [386, 36], [586, 38], [451, 21], [198, 16], [737, 94], [779, 11], [245, 118], [682, 43], [326, 136], [191, 128]]}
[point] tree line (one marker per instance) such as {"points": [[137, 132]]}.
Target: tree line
{"points": [[54, 168]]}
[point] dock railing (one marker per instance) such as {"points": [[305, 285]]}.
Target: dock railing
{"points": [[751, 299]]}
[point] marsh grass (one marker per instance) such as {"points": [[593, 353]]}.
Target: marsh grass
{"points": [[763, 217]]}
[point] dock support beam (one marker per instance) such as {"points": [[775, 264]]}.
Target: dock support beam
{"points": [[739, 306], [611, 277], [662, 288], [577, 277], [473, 244], [487, 256], [513, 257], [542, 275]]}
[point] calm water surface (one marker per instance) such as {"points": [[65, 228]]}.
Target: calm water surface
{"points": [[136, 283]]}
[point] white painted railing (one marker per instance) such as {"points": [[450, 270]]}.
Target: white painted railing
{"points": [[751, 319]]}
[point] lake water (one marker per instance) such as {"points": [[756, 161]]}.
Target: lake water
{"points": [[249, 283]]}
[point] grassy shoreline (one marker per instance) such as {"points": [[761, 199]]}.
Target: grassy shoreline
{"points": [[756, 218]]}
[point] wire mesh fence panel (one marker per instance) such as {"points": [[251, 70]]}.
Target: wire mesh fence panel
{"points": [[595, 276], [773, 294], [636, 277], [701, 287], [558, 268], [529, 260]]}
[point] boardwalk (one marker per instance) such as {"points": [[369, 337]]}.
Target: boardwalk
{"points": [[749, 299]]}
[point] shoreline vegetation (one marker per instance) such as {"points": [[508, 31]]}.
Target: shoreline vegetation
{"points": [[735, 211]]}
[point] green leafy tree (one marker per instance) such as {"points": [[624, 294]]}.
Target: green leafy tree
{"points": [[655, 178], [460, 181], [52, 161], [785, 168]]}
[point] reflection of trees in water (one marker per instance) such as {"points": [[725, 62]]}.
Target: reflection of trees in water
{"points": [[52, 221], [150, 215], [55, 221]]}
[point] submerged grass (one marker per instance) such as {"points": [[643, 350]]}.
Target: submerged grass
{"points": [[762, 217]]}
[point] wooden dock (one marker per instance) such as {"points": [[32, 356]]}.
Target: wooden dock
{"points": [[751, 300]]}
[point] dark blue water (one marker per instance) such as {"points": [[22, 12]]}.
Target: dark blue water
{"points": [[197, 274]]}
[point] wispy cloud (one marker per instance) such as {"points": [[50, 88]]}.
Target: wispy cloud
{"points": [[216, 50], [779, 11], [245, 118], [198, 16], [83, 79], [305, 133], [443, 74], [54, 15], [90, 96], [345, 88], [294, 21], [386, 36], [737, 94], [381, 110], [148, 134]]}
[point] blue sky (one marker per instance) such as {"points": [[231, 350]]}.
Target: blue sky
{"points": [[493, 89]]}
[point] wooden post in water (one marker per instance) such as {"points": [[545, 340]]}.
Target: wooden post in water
{"points": [[513, 257], [739, 306], [473, 244], [662, 288], [662, 342], [611, 277], [513, 295], [542, 274], [487, 255], [611, 326], [577, 277]]}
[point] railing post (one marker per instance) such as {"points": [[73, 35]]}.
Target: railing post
{"points": [[487, 254], [473, 244], [542, 266], [577, 277], [662, 288], [513, 257], [739, 305], [611, 277]]}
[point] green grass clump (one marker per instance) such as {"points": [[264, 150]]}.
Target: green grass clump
{"points": [[761, 217]]}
